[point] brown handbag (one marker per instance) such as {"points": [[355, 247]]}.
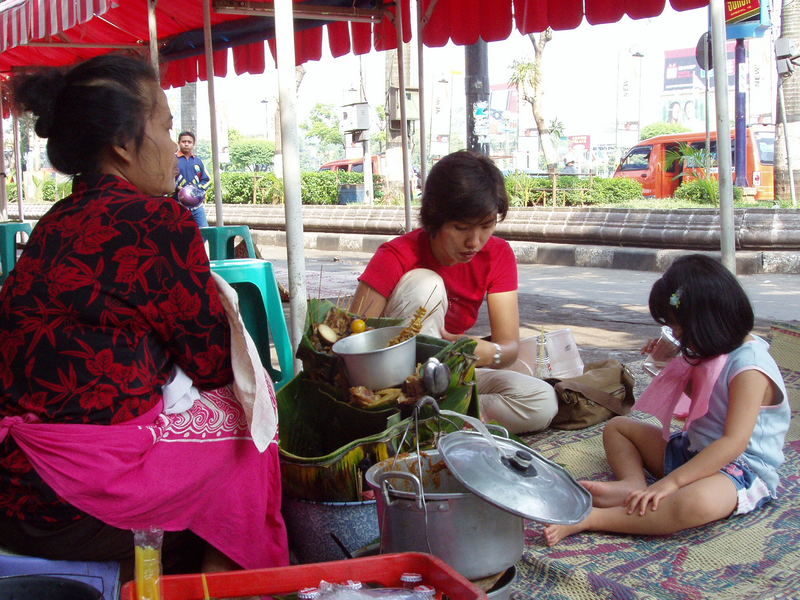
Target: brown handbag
{"points": [[605, 389]]}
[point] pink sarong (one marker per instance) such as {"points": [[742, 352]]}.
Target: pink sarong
{"points": [[665, 397], [197, 470]]}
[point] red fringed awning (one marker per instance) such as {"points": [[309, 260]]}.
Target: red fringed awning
{"points": [[59, 32]]}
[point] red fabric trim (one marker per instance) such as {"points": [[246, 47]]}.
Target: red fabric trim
{"points": [[645, 8], [688, 4], [498, 27], [436, 31], [465, 21], [564, 14], [339, 38], [308, 45], [602, 11], [250, 58], [361, 35], [530, 16]]}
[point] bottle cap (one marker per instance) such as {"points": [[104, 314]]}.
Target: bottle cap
{"points": [[410, 577], [308, 593], [352, 585], [425, 590]]}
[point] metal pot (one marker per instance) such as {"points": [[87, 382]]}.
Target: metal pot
{"points": [[465, 502], [371, 364], [475, 537]]}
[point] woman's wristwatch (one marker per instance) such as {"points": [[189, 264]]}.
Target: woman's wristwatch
{"points": [[498, 355]]}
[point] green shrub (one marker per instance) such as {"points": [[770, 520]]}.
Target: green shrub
{"points": [[704, 191], [615, 190], [316, 187], [11, 191], [524, 190]]}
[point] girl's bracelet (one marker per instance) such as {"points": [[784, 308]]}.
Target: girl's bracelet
{"points": [[498, 354]]}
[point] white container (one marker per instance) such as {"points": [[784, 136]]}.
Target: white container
{"points": [[565, 359], [563, 356]]}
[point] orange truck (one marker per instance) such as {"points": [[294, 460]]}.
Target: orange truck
{"points": [[648, 161]]}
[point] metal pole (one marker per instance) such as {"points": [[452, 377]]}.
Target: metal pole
{"points": [[782, 104], [476, 89], [287, 94], [212, 107], [3, 172], [401, 76], [18, 167], [708, 115], [727, 232], [153, 29], [739, 116], [423, 137]]}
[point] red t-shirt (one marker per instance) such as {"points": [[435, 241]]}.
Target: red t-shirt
{"points": [[491, 271]]}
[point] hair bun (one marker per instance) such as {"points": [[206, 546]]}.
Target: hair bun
{"points": [[38, 93]]}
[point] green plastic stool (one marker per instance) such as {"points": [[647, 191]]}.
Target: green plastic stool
{"points": [[220, 241], [262, 311], [8, 245]]}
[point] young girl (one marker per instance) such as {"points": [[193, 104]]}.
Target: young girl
{"points": [[725, 461]]}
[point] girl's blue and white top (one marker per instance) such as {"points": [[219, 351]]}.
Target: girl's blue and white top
{"points": [[764, 453]]}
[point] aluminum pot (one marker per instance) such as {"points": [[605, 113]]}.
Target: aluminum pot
{"points": [[476, 538], [371, 364]]}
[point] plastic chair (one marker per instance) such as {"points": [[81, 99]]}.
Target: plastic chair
{"points": [[102, 576], [221, 241], [262, 311], [8, 245]]}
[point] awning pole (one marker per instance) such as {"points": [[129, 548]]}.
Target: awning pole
{"points": [[3, 172], [727, 233], [287, 98], [152, 26], [423, 137], [401, 77], [212, 107], [18, 167]]}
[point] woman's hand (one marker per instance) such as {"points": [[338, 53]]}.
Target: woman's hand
{"points": [[450, 337], [650, 496]]}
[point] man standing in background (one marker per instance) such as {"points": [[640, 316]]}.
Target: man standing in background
{"points": [[192, 179]]}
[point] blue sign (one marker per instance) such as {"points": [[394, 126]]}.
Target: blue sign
{"points": [[755, 27]]}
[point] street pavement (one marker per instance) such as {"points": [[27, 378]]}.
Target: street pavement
{"points": [[606, 309]]}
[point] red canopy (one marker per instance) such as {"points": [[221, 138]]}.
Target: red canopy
{"points": [[57, 32]]}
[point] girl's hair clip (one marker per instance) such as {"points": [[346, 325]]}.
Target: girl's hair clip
{"points": [[675, 299]]}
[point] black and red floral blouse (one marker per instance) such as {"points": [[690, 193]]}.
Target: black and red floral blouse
{"points": [[112, 290]]}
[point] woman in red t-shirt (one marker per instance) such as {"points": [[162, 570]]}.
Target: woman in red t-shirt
{"points": [[455, 260]]}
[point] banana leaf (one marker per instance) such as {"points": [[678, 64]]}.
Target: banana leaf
{"points": [[326, 445]]}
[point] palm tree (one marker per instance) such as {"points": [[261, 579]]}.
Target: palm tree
{"points": [[790, 28], [527, 77]]}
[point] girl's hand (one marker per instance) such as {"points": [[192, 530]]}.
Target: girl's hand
{"points": [[638, 501], [649, 346]]}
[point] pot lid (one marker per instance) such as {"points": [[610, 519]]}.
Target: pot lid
{"points": [[515, 478]]}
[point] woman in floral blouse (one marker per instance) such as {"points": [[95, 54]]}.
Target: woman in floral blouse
{"points": [[112, 292]]}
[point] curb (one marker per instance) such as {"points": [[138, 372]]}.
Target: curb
{"points": [[567, 255]]}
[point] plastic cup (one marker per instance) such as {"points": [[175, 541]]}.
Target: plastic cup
{"points": [[665, 350]]}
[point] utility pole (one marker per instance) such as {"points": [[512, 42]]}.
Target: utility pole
{"points": [[476, 87]]}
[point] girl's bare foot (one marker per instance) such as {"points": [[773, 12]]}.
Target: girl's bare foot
{"points": [[555, 533], [606, 494]]}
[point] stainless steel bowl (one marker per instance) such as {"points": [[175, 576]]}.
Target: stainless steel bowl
{"points": [[371, 364]]}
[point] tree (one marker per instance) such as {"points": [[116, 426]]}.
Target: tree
{"points": [[790, 28], [249, 154], [661, 128], [527, 78], [324, 127]]}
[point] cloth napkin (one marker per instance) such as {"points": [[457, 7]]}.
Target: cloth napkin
{"points": [[665, 397], [251, 383]]}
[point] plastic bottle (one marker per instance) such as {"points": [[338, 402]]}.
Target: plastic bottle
{"points": [[542, 360], [147, 561]]}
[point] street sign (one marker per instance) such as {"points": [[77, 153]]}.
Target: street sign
{"points": [[703, 52]]}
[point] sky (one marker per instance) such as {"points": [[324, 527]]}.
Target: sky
{"points": [[582, 71]]}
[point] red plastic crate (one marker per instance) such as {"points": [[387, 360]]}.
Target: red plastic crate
{"points": [[383, 569]]}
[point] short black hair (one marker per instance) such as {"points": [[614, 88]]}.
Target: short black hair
{"points": [[86, 109], [706, 300], [189, 133], [463, 186]]}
